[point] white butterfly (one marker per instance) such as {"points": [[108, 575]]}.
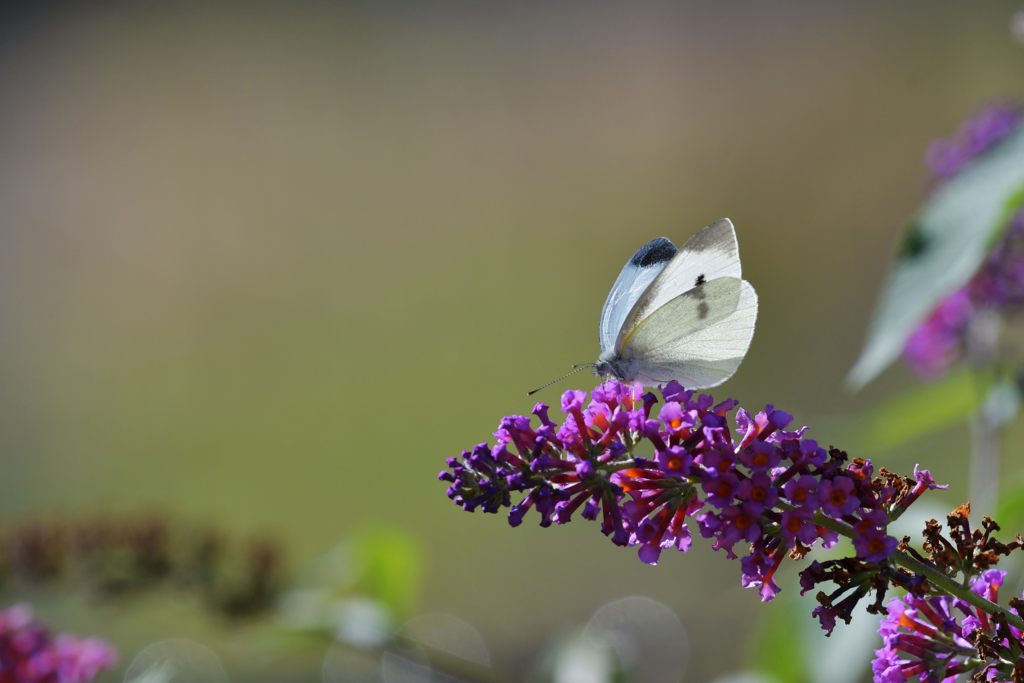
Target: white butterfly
{"points": [[947, 242], [679, 314]]}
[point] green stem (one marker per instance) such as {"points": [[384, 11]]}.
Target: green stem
{"points": [[986, 432], [934, 576], [940, 580]]}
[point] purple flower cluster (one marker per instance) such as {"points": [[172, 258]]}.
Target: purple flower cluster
{"points": [[649, 473], [855, 577], [937, 342], [937, 638], [29, 654], [947, 157], [999, 283]]}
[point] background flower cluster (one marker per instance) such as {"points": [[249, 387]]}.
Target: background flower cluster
{"points": [[998, 285], [29, 653]]}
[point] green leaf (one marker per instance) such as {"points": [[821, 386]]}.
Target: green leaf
{"points": [[778, 651], [388, 568], [946, 243], [360, 590], [925, 408], [1010, 505]]}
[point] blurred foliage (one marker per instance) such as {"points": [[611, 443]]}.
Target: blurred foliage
{"points": [[176, 660], [388, 568], [924, 408], [361, 590], [363, 595], [118, 555], [1010, 506], [631, 638], [161, 672], [776, 648], [576, 659]]}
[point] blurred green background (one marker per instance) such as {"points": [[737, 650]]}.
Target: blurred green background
{"points": [[269, 264]]}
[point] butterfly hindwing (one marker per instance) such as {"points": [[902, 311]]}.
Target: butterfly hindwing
{"points": [[704, 355], [683, 316]]}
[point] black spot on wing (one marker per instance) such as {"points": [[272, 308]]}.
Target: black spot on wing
{"points": [[700, 295], [654, 252], [700, 280], [697, 292], [914, 244]]}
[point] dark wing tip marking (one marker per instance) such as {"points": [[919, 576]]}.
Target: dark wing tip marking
{"points": [[700, 280], [654, 252]]}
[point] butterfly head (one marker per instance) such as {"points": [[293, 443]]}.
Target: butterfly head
{"points": [[610, 364]]}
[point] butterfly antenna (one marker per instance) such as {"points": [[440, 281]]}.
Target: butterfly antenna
{"points": [[576, 368]]}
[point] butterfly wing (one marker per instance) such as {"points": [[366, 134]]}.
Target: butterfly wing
{"points": [[638, 273], [709, 255], [675, 342], [946, 244]]}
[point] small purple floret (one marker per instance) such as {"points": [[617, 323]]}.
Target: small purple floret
{"points": [[30, 654]]}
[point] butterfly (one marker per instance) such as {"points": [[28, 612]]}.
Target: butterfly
{"points": [[946, 244], [679, 314]]}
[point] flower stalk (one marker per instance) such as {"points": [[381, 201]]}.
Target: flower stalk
{"points": [[948, 585], [935, 577]]}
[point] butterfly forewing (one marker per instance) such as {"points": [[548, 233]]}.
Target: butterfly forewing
{"points": [[709, 255], [638, 273]]}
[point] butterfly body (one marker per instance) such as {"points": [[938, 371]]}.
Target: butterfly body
{"points": [[679, 314]]}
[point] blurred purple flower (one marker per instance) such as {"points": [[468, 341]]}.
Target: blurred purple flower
{"points": [[29, 654], [947, 157], [936, 343], [998, 284]]}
